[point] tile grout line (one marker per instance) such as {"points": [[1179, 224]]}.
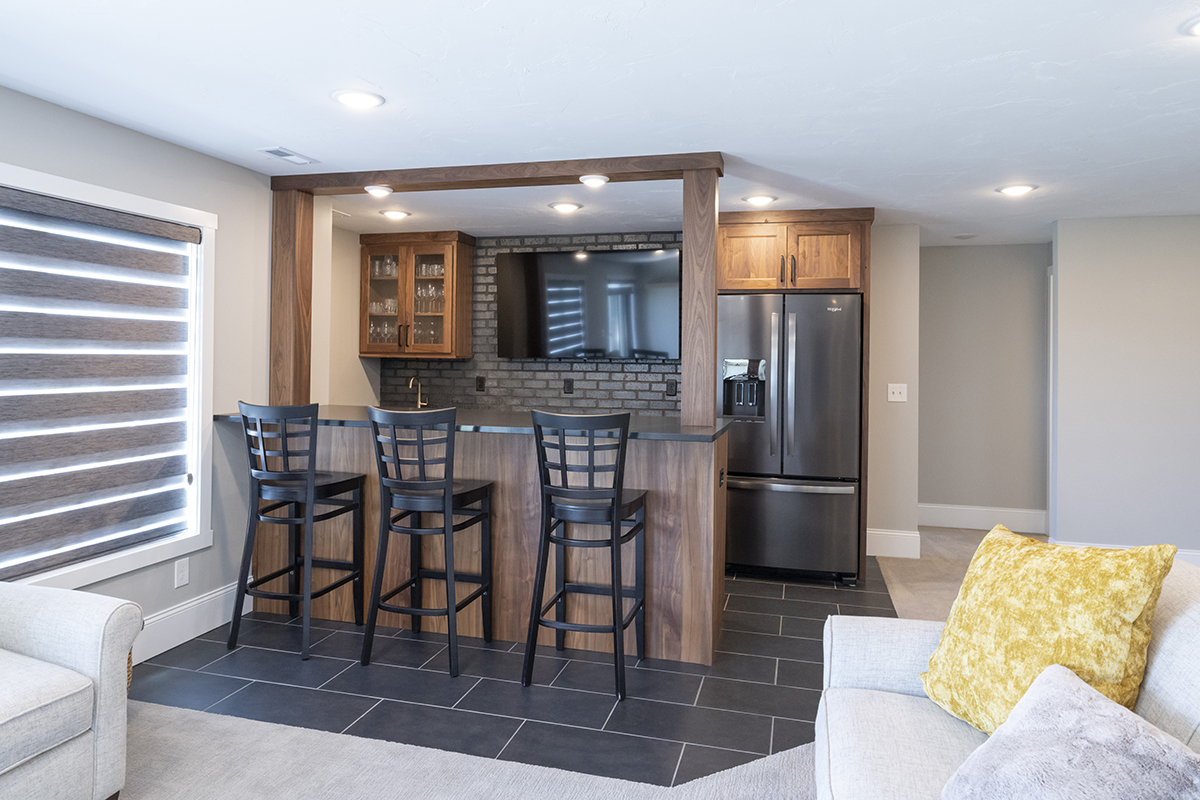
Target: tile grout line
{"points": [[348, 666], [771, 745], [429, 660], [675, 774], [368, 711], [226, 697], [467, 692], [611, 711], [514, 735], [776, 681], [699, 689]]}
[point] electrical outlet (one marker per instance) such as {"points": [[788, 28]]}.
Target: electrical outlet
{"points": [[181, 572], [480, 383], [672, 387], [897, 392], [568, 386]]}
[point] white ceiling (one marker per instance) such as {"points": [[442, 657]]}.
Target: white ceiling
{"points": [[919, 108]]}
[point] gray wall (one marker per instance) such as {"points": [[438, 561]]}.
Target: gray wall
{"points": [[895, 344], [41, 136], [1127, 437], [600, 385], [983, 375]]}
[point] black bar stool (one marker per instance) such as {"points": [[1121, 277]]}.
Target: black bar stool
{"points": [[411, 448], [281, 445], [573, 450]]}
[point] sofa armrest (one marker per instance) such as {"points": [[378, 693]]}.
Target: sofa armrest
{"points": [[880, 653], [90, 634]]}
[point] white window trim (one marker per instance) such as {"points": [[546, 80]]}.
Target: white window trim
{"points": [[199, 534]]}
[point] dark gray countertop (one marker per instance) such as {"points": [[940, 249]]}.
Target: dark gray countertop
{"points": [[492, 420]]}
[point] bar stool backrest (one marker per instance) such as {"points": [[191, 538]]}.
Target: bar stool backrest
{"points": [[414, 450], [581, 456], [281, 441]]}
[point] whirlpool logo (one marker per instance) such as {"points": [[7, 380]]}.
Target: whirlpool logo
{"points": [[833, 308]]}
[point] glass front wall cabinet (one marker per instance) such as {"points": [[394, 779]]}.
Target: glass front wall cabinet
{"points": [[416, 295]]}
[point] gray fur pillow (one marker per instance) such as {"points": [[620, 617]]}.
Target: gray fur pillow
{"points": [[1066, 741]]}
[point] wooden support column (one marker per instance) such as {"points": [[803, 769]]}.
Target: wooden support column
{"points": [[291, 297], [698, 347]]}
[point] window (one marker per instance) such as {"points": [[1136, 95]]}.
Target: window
{"points": [[99, 445]]}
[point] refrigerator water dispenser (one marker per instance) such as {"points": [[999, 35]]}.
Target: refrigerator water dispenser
{"points": [[745, 387]]}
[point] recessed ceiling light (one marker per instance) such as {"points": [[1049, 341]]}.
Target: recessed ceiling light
{"points": [[358, 99], [378, 191], [565, 208], [593, 181], [1191, 27], [582, 256], [394, 214], [1016, 191], [965, 236], [760, 199]]}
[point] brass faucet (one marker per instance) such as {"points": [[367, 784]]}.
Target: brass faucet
{"points": [[420, 405]]}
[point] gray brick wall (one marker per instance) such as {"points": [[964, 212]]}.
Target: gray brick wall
{"points": [[600, 385]]}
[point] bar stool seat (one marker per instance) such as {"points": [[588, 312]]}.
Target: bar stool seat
{"points": [[281, 446], [414, 453], [597, 511]]}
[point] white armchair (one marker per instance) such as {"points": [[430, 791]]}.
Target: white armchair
{"points": [[63, 660]]}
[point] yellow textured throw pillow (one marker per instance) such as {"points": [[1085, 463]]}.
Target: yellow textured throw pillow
{"points": [[1025, 605]]}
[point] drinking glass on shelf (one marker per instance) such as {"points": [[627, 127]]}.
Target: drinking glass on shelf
{"points": [[390, 305]]}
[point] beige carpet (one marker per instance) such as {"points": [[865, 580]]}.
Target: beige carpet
{"points": [[176, 754], [925, 587]]}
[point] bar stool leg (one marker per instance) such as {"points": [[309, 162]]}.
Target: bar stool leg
{"points": [[618, 604], [451, 594], [247, 557], [539, 588], [306, 602], [294, 545], [360, 563], [377, 583], [560, 582], [639, 542], [414, 571], [485, 546]]}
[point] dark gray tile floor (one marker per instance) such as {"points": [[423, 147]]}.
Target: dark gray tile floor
{"points": [[680, 721]]}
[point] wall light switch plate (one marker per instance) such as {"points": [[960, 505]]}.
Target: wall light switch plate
{"points": [[568, 386], [181, 572], [480, 383], [672, 387], [897, 392]]}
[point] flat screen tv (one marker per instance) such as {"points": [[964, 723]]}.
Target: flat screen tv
{"points": [[601, 304]]}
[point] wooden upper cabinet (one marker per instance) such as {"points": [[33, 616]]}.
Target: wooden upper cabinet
{"points": [[793, 250], [415, 295], [751, 257]]}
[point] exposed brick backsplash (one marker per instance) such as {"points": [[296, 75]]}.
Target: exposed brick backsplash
{"points": [[600, 384]]}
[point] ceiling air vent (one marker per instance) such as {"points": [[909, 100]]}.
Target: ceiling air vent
{"points": [[290, 156]]}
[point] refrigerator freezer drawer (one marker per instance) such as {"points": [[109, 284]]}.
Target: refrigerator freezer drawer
{"points": [[798, 525]]}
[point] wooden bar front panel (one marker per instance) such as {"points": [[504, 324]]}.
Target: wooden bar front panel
{"points": [[685, 536]]}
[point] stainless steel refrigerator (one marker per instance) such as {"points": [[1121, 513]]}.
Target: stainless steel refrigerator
{"points": [[790, 376]]}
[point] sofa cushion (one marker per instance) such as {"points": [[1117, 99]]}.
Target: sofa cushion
{"points": [[1170, 693], [878, 745], [1025, 605], [42, 705], [1064, 740]]}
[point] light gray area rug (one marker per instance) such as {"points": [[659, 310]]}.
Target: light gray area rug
{"points": [[177, 754]]}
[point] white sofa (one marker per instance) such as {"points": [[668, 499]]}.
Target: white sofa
{"points": [[63, 662], [878, 736]]}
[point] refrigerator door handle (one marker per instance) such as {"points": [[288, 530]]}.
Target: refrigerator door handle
{"points": [[797, 488], [789, 414], [773, 391]]}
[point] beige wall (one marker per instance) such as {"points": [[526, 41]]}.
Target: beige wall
{"points": [[1127, 433], [983, 376], [41, 136], [895, 358]]}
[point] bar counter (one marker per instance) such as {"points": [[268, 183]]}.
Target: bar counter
{"points": [[681, 467]]}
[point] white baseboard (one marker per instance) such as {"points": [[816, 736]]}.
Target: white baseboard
{"points": [[1190, 556], [178, 624], [893, 544], [981, 518]]}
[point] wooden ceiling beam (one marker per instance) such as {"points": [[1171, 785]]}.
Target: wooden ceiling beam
{"points": [[495, 176]]}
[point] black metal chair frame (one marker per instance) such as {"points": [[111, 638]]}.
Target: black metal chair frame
{"points": [[271, 434], [406, 499], [622, 510]]}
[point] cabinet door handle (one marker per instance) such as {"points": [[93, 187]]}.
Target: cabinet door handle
{"points": [[781, 269], [793, 269]]}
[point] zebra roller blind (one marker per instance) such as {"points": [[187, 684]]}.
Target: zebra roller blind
{"points": [[96, 389]]}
